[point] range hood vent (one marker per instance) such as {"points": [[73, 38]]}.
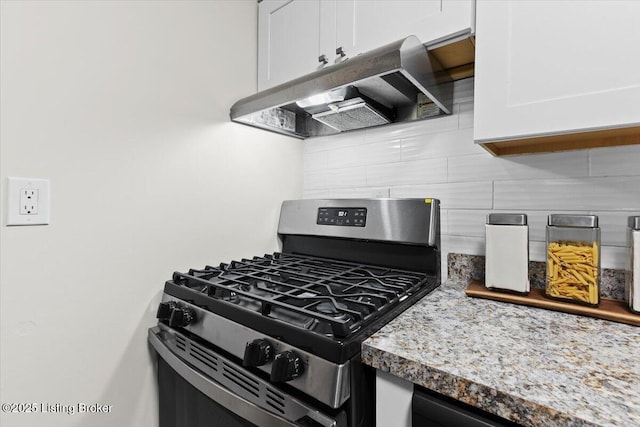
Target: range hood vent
{"points": [[395, 83]]}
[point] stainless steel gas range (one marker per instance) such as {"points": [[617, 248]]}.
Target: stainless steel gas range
{"points": [[274, 340]]}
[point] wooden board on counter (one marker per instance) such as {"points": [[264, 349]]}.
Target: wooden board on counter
{"points": [[609, 309]]}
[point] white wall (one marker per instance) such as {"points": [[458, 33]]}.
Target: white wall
{"points": [[124, 107], [437, 158]]}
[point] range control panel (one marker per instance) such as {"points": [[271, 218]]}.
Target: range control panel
{"points": [[345, 217]]}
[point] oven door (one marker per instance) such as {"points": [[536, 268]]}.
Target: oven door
{"points": [[199, 387]]}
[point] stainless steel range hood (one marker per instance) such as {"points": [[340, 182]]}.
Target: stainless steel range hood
{"points": [[395, 83]]}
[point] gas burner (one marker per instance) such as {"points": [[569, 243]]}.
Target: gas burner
{"points": [[284, 277], [223, 294], [334, 310], [369, 303], [329, 307], [375, 283], [266, 284]]}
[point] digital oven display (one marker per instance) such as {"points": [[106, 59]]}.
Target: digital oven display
{"points": [[344, 217]]}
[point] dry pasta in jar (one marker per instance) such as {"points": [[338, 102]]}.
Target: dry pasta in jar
{"points": [[573, 258]]}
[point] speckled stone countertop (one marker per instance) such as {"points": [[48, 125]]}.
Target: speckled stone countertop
{"points": [[532, 366]]}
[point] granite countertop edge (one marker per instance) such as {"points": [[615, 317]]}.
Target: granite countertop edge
{"points": [[481, 396], [385, 351]]}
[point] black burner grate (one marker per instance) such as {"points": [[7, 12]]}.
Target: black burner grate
{"points": [[329, 297]]}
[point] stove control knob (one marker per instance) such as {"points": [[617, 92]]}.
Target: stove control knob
{"points": [[165, 309], [257, 353], [286, 366], [181, 316]]}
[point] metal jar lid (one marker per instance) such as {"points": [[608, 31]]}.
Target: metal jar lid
{"points": [[634, 222], [506, 219], [564, 220]]}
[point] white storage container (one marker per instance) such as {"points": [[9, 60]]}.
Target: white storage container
{"points": [[632, 282], [507, 252]]}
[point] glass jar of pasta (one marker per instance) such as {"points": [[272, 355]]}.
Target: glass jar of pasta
{"points": [[573, 258]]}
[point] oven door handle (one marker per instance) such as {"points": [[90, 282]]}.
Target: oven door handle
{"points": [[218, 393]]}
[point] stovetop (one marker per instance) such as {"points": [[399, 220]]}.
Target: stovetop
{"points": [[325, 306], [347, 267], [323, 296]]}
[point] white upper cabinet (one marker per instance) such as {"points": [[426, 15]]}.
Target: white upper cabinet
{"points": [[553, 68], [290, 39], [367, 24], [294, 34]]}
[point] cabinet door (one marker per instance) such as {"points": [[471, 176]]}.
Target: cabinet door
{"points": [[545, 68], [362, 25], [289, 38]]}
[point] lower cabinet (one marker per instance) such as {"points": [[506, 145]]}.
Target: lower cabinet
{"points": [[393, 400], [400, 403]]}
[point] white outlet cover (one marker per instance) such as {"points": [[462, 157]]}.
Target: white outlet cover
{"points": [[14, 188]]}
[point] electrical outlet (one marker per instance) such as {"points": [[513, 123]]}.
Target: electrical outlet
{"points": [[27, 201]]}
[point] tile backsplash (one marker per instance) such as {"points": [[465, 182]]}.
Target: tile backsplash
{"points": [[438, 158]]}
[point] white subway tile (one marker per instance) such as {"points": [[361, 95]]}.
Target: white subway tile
{"points": [[444, 221], [314, 161], [346, 177], [486, 167], [463, 244], [415, 159], [616, 193], [463, 90], [465, 117], [382, 133], [332, 142], [537, 251], [613, 227], [538, 222], [316, 194], [613, 257], [366, 154], [415, 172], [312, 145], [615, 161], [470, 195], [384, 192], [467, 222], [314, 180], [360, 193], [455, 143]]}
